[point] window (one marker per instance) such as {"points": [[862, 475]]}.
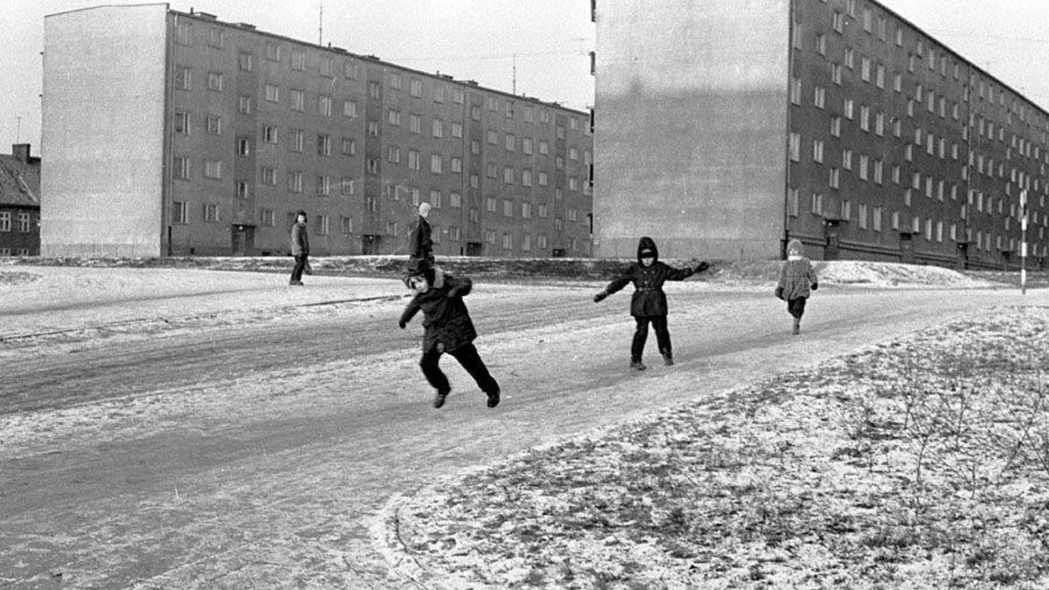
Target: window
{"points": [[273, 51], [457, 165], [795, 91], [272, 93], [327, 67], [298, 100], [835, 178], [835, 73], [413, 160], [508, 175], [5, 223], [179, 212], [795, 147], [493, 137], [269, 176], [243, 146], [269, 134], [216, 38], [267, 217], [244, 105], [349, 146], [393, 154], [323, 185], [817, 151], [296, 140], [346, 186], [211, 212], [243, 190], [526, 177], [180, 168], [181, 123], [865, 116], [438, 128], [324, 105], [323, 145], [213, 124], [298, 59], [848, 107], [817, 204], [349, 109], [295, 181], [215, 81], [457, 129], [395, 80], [835, 126], [184, 34], [820, 97], [792, 202], [508, 208], [876, 219], [213, 169], [864, 164], [183, 78], [246, 61], [435, 163], [455, 200], [510, 142], [846, 159], [393, 117]]}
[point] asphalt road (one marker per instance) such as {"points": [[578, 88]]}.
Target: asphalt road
{"points": [[254, 455]]}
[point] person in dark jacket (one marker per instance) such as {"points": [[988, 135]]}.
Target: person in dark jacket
{"points": [[300, 247], [649, 303], [420, 241], [447, 328], [797, 279]]}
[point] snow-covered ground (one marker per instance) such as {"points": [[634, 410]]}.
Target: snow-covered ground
{"points": [[334, 432]]}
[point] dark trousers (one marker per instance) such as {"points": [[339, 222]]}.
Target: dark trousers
{"points": [[468, 358], [659, 324], [796, 307], [300, 265]]}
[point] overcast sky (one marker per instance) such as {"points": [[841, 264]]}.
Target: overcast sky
{"points": [[548, 41]]}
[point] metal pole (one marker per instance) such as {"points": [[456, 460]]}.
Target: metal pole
{"points": [[1023, 242]]}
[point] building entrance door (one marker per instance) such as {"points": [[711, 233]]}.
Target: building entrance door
{"points": [[243, 240], [906, 248]]}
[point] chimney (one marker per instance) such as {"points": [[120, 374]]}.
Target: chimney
{"points": [[21, 151]]}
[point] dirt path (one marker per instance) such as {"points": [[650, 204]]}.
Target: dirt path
{"points": [[254, 457]]}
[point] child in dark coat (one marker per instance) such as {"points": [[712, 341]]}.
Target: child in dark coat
{"points": [[649, 303], [797, 279], [448, 328]]}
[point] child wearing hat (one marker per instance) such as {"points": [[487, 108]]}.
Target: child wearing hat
{"points": [[648, 305], [448, 328], [797, 279]]}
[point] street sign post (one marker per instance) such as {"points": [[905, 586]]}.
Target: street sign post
{"points": [[1023, 242]]}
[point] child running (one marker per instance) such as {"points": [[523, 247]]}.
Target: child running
{"points": [[448, 328], [796, 279], [648, 305]]}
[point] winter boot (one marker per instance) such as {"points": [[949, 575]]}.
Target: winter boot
{"points": [[438, 400], [668, 359], [637, 366], [493, 398], [797, 327]]}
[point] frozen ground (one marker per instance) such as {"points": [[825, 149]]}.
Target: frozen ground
{"points": [[175, 428]]}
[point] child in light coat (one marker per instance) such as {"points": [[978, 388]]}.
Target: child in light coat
{"points": [[797, 279]]}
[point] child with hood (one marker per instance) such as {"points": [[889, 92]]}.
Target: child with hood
{"points": [[796, 279], [648, 305], [448, 328]]}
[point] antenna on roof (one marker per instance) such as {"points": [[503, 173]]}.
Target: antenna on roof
{"points": [[514, 83], [320, 26]]}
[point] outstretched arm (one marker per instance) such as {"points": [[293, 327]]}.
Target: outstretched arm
{"points": [[409, 312], [459, 287], [617, 283]]}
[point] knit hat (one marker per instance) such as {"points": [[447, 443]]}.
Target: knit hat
{"points": [[794, 247], [418, 267]]}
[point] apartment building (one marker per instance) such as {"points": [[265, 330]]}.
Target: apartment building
{"points": [[730, 131], [19, 202], [194, 136]]}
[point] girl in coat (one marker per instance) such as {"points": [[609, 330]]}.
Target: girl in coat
{"points": [[648, 305], [797, 279], [448, 328]]}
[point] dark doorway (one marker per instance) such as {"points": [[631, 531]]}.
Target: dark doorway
{"points": [[370, 244], [474, 248], [906, 248], [242, 240]]}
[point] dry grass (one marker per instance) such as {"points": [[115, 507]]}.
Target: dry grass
{"points": [[923, 463]]}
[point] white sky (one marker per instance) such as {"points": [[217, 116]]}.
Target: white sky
{"points": [[479, 39]]}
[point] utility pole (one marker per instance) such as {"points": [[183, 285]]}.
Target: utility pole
{"points": [[18, 134], [1023, 242]]}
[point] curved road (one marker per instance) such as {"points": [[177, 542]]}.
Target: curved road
{"points": [[255, 457]]}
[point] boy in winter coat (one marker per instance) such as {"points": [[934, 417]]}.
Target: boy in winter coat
{"points": [[448, 328], [649, 303], [796, 279]]}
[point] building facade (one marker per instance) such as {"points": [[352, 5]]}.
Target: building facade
{"points": [[194, 136], [833, 121], [19, 202]]}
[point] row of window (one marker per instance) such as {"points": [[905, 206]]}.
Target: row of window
{"points": [[873, 217], [984, 88], [10, 252], [7, 223], [327, 66]]}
